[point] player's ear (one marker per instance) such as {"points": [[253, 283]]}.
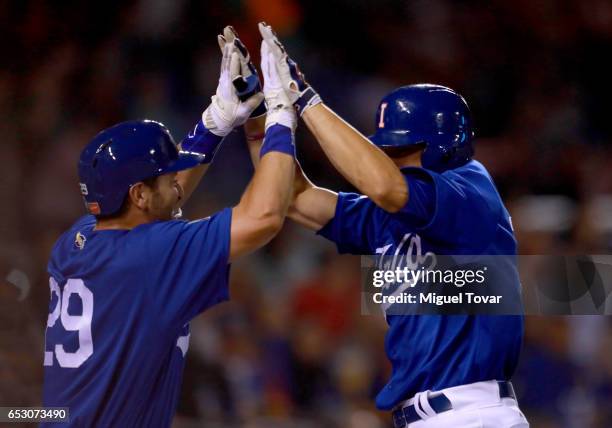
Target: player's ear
{"points": [[139, 195]]}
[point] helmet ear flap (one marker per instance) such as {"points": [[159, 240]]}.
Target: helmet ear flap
{"points": [[448, 153], [438, 157]]}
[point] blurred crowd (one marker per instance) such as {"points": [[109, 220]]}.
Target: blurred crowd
{"points": [[292, 349]]}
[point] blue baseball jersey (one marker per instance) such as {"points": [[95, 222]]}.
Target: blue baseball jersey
{"points": [[457, 212], [118, 326]]}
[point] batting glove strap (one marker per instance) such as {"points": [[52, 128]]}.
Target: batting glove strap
{"points": [[201, 140], [259, 111], [308, 98], [279, 138], [246, 87]]}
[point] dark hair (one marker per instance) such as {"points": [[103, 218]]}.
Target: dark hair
{"points": [[149, 182]]}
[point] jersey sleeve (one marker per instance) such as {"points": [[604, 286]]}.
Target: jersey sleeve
{"points": [[189, 265], [353, 228], [445, 207], [421, 204], [358, 221]]}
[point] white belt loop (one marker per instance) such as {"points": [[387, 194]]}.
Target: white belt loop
{"points": [[422, 406], [424, 402]]}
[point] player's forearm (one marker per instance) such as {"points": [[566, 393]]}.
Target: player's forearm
{"points": [[313, 208], [262, 209], [261, 212], [270, 191], [272, 185], [254, 130], [364, 165], [304, 208]]}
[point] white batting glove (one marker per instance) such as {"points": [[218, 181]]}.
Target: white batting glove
{"points": [[301, 94], [247, 83], [279, 105], [226, 111]]}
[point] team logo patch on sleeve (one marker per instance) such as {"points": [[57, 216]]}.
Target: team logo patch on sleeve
{"points": [[84, 190], [79, 240]]}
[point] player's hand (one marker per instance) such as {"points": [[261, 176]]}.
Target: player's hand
{"points": [[278, 102], [294, 83], [226, 110], [247, 83]]}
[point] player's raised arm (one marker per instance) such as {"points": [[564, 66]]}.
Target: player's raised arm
{"points": [[311, 206], [238, 98], [260, 214], [363, 164]]}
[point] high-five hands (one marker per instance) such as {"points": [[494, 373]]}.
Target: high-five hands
{"points": [[238, 93], [299, 92], [278, 100], [247, 83]]}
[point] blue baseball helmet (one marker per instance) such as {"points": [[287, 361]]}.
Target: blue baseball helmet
{"points": [[123, 155], [432, 115]]}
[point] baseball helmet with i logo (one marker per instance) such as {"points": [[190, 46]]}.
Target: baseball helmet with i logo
{"points": [[430, 115]]}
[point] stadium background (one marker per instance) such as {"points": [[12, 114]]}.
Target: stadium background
{"points": [[291, 349]]}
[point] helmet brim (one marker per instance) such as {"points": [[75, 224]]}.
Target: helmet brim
{"points": [[186, 160], [394, 138]]}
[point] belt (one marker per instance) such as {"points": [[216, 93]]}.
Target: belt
{"points": [[440, 403]]}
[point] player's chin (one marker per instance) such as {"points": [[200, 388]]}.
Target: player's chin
{"points": [[168, 213], [171, 213], [167, 216]]}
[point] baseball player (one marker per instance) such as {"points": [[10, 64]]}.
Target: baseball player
{"points": [[127, 279], [422, 194]]}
